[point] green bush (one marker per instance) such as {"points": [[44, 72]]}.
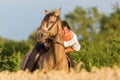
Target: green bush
{"points": [[107, 54], [11, 53], [11, 63]]}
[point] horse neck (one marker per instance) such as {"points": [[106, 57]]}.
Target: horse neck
{"points": [[59, 47]]}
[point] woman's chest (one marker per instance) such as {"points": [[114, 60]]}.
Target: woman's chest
{"points": [[69, 43]]}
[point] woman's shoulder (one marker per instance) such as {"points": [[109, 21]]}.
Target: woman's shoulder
{"points": [[74, 35], [72, 32]]}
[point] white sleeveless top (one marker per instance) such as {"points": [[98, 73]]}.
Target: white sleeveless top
{"points": [[74, 43]]}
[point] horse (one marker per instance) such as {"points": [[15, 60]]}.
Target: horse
{"points": [[55, 57]]}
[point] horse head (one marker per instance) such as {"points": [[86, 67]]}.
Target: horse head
{"points": [[49, 26]]}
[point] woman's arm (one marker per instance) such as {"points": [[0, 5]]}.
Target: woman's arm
{"points": [[74, 43], [70, 49]]}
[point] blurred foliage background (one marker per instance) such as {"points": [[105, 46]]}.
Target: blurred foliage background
{"points": [[98, 34]]}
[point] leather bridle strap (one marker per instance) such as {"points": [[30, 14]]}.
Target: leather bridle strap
{"points": [[52, 25]]}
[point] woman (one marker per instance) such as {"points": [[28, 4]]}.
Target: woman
{"points": [[71, 42], [70, 39]]}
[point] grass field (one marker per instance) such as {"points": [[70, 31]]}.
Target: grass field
{"points": [[104, 73]]}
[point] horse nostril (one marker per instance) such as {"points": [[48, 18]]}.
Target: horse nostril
{"points": [[41, 35]]}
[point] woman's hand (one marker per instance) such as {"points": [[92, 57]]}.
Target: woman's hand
{"points": [[70, 49]]}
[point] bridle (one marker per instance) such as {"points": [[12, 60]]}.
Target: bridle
{"points": [[52, 25], [55, 41]]}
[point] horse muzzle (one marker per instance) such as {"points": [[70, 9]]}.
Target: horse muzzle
{"points": [[42, 36]]}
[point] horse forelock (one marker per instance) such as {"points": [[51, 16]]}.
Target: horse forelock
{"points": [[46, 19]]}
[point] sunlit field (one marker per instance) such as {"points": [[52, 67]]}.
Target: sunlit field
{"points": [[104, 73]]}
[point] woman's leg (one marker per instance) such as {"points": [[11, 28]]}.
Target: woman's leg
{"points": [[30, 63], [70, 60]]}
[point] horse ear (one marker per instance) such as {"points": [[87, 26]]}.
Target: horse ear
{"points": [[57, 13], [46, 12]]}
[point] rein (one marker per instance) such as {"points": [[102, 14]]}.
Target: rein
{"points": [[57, 42]]}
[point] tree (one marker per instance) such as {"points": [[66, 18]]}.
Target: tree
{"points": [[84, 22], [111, 22]]}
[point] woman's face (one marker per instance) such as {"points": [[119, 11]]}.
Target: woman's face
{"points": [[65, 30]]}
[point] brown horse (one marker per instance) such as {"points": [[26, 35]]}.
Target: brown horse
{"points": [[54, 57]]}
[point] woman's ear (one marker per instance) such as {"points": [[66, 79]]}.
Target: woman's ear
{"points": [[46, 12], [57, 13]]}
